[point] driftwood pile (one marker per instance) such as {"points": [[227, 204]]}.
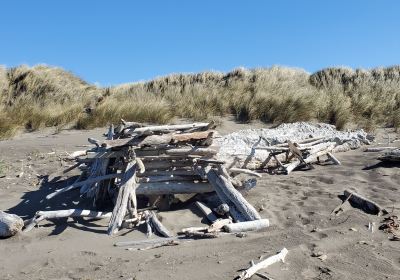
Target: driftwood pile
{"points": [[289, 156], [139, 167]]}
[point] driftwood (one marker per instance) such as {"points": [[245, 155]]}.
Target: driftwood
{"points": [[158, 226], [391, 156], [234, 170], [140, 130], [172, 188], [365, 204], [127, 186], [192, 151], [145, 241], [157, 245], [10, 224], [248, 273], [206, 211], [378, 149], [58, 214], [223, 184], [247, 226]]}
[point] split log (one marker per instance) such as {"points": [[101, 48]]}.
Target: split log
{"points": [[244, 171], [247, 226], [140, 130], [128, 183], [206, 211], [172, 188], [82, 183], [10, 224], [158, 226], [224, 185], [365, 204], [248, 273], [58, 214]]}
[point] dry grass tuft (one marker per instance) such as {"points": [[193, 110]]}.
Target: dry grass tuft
{"points": [[42, 96]]}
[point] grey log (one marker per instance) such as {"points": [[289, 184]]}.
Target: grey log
{"points": [[172, 188], [10, 224]]}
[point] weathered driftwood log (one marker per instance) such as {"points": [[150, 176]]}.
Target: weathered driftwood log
{"points": [[10, 224], [391, 156], [333, 158], [234, 170], [82, 183], [140, 130], [172, 188], [206, 211], [248, 273], [155, 179], [173, 173], [223, 184], [127, 185], [158, 226], [192, 151], [364, 203], [247, 226], [311, 158], [168, 164], [145, 241], [219, 224], [157, 245], [59, 214], [378, 149], [76, 154]]}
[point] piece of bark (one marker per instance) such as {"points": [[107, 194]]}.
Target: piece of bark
{"points": [[222, 183], [248, 273], [10, 224], [58, 214], [206, 211], [365, 204], [172, 188], [82, 183], [247, 226], [128, 183]]}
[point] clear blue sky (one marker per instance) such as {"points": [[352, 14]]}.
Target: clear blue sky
{"points": [[113, 42]]}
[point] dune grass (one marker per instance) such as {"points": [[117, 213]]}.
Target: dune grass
{"points": [[35, 97]]}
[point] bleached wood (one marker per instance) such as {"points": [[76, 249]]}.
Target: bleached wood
{"points": [[247, 226], [82, 183], [280, 257], [244, 171], [167, 127], [172, 188], [128, 183], [58, 214], [76, 154], [365, 204], [144, 241], [158, 226], [192, 151], [155, 179], [206, 211], [333, 158], [222, 183], [10, 224]]}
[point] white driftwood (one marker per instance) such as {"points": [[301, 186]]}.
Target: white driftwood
{"points": [[333, 158], [378, 149], [222, 183], [244, 171], [158, 226], [192, 151], [280, 257], [58, 214], [145, 241], [219, 224], [206, 211], [365, 204], [127, 185], [247, 226], [172, 188], [10, 224], [155, 179], [140, 130], [82, 183], [76, 154]]}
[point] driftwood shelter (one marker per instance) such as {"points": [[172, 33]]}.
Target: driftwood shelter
{"points": [[138, 167]]}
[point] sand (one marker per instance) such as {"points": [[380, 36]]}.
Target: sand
{"points": [[298, 206]]}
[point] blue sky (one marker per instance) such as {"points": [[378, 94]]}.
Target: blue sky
{"points": [[113, 42]]}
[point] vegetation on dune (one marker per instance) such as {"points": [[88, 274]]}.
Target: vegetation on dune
{"points": [[42, 96]]}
